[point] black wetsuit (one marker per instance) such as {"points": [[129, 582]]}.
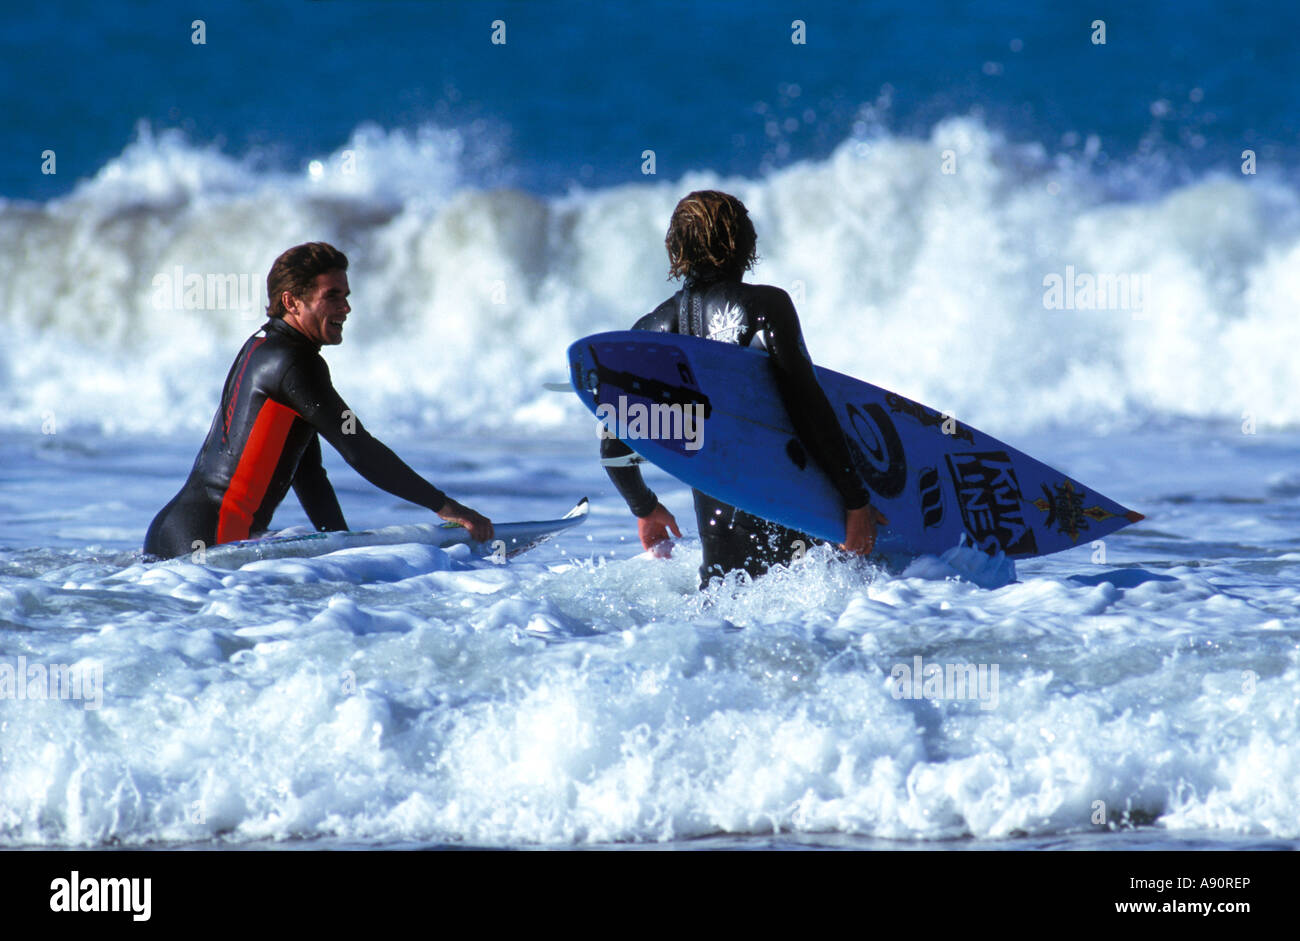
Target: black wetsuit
{"points": [[276, 405], [731, 311]]}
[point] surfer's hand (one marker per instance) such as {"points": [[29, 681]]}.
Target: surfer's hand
{"points": [[653, 530], [479, 526], [860, 529]]}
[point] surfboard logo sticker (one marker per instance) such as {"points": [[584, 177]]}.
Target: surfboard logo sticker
{"points": [[1065, 509], [663, 375], [928, 417], [927, 483], [648, 393], [880, 459], [988, 496]]}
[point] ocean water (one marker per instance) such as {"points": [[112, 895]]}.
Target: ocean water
{"points": [[587, 694], [493, 203]]}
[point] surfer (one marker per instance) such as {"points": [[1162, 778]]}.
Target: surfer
{"points": [[711, 244], [277, 403]]}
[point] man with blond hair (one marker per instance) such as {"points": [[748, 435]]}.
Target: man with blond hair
{"points": [[711, 244]]}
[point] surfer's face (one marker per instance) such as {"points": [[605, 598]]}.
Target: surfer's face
{"points": [[319, 315]]}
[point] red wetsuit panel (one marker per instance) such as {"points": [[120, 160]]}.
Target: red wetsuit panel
{"points": [[252, 476], [277, 403]]}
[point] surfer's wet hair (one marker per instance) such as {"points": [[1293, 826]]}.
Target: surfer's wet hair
{"points": [[296, 270], [710, 235]]}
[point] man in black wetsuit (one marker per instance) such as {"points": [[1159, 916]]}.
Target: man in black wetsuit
{"points": [[711, 243], [276, 405]]}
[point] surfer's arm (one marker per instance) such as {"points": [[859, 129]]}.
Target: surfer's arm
{"points": [[308, 391], [654, 522], [809, 409], [315, 492], [620, 463]]}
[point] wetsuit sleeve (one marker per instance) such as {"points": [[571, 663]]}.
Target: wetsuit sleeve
{"points": [[616, 456], [315, 492], [809, 409], [618, 460], [307, 389]]}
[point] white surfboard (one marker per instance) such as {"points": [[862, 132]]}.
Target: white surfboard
{"points": [[509, 540]]}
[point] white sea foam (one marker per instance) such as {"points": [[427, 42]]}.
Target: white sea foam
{"points": [[375, 710], [465, 299], [588, 693]]}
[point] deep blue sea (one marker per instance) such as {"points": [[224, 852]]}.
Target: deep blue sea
{"points": [[579, 90], [942, 187]]}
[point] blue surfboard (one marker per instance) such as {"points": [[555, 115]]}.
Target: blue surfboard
{"points": [[710, 414]]}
